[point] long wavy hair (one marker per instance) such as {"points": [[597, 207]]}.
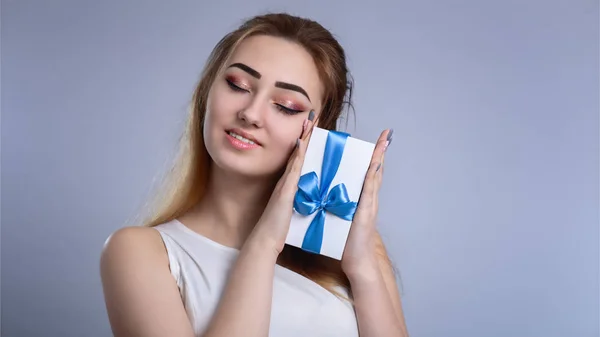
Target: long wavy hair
{"points": [[187, 180]]}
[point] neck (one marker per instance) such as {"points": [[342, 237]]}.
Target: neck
{"points": [[231, 206]]}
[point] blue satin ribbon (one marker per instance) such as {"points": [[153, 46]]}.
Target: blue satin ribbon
{"points": [[314, 197]]}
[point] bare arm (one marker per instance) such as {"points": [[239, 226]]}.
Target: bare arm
{"points": [[376, 296], [142, 298], [245, 308], [365, 261], [389, 279], [374, 308]]}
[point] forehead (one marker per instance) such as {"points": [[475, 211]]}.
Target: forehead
{"points": [[277, 59]]}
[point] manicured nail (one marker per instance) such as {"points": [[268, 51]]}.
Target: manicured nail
{"points": [[297, 142], [390, 137], [311, 115], [378, 167]]}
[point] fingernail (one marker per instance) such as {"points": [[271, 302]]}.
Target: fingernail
{"points": [[390, 135], [378, 167], [297, 142], [311, 115]]}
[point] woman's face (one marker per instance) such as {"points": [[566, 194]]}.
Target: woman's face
{"points": [[257, 105]]}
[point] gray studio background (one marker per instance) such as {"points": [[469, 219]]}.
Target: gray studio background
{"points": [[490, 203]]}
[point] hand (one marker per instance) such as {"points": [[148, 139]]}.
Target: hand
{"points": [[360, 252], [273, 226]]}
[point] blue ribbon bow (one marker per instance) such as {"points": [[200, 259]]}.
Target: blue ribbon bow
{"points": [[312, 197]]}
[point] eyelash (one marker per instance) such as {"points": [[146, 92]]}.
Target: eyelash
{"points": [[287, 111], [234, 87], [279, 107]]}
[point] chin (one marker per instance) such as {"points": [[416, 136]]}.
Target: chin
{"points": [[251, 165]]}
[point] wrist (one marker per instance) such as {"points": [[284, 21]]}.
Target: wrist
{"points": [[363, 269], [262, 244]]}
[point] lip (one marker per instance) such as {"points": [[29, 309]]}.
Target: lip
{"points": [[238, 144], [244, 134]]}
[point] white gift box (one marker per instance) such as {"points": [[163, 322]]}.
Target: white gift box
{"points": [[351, 172]]}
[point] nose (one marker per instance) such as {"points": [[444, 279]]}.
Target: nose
{"points": [[253, 114]]}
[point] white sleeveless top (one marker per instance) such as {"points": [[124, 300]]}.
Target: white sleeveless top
{"points": [[300, 306]]}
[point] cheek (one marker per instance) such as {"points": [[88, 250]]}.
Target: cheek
{"points": [[224, 101], [221, 108], [285, 133]]}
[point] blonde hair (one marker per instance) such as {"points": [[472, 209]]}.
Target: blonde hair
{"points": [[187, 179]]}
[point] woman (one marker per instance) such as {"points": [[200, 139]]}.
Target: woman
{"points": [[213, 262]]}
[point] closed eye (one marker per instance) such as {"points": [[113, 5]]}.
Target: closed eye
{"points": [[234, 87], [287, 110], [279, 107]]}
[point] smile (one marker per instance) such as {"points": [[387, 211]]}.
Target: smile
{"points": [[240, 138]]}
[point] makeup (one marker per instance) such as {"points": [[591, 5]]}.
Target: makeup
{"points": [[293, 106], [390, 137], [241, 140], [289, 86], [247, 69], [236, 84]]}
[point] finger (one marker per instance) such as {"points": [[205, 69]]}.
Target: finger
{"points": [[302, 142], [291, 175], [369, 186], [294, 168], [306, 130], [289, 165], [379, 174], [366, 196], [309, 124], [304, 134], [377, 156], [377, 184]]}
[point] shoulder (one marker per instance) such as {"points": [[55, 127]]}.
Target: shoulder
{"points": [[133, 245], [133, 238], [142, 298]]}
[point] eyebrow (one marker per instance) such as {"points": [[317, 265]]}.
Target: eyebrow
{"points": [[247, 69], [282, 85], [293, 87]]}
